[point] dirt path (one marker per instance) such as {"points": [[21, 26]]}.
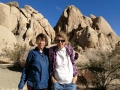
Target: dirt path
{"points": [[9, 78]]}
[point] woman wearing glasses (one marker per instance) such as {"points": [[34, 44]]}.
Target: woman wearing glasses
{"points": [[62, 67]]}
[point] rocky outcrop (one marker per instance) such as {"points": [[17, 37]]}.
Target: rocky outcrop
{"points": [[101, 25], [70, 19], [88, 38], [86, 32], [22, 25], [7, 38], [14, 3], [25, 23]]}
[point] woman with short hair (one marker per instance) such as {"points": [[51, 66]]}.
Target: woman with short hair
{"points": [[36, 69]]}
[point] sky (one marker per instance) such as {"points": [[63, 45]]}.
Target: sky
{"points": [[52, 9]]}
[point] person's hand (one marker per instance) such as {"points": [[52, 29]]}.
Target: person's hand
{"points": [[76, 56], [74, 79], [53, 79]]}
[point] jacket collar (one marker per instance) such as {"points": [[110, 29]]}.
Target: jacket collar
{"points": [[37, 49]]}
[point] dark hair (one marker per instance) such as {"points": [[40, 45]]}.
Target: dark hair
{"points": [[43, 37]]}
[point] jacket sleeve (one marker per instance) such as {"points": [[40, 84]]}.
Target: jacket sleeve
{"points": [[25, 71], [73, 57], [51, 59]]}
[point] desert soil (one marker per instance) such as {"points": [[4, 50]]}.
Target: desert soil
{"points": [[9, 78]]}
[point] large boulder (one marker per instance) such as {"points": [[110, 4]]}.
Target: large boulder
{"points": [[25, 23], [14, 3], [10, 15], [101, 25], [7, 18], [88, 38], [37, 16], [72, 19], [104, 43], [7, 38], [86, 32]]}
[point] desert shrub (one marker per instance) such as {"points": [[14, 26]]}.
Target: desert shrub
{"points": [[105, 70], [15, 53]]}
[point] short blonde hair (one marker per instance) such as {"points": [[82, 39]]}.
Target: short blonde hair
{"points": [[62, 35]]}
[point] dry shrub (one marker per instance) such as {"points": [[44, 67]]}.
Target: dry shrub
{"points": [[15, 53], [104, 69]]}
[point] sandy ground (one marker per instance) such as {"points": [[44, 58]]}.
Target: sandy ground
{"points": [[9, 78]]}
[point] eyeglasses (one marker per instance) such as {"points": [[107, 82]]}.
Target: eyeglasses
{"points": [[58, 41]]}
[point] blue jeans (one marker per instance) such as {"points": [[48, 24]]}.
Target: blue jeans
{"points": [[58, 86]]}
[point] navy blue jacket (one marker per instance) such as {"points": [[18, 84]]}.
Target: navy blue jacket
{"points": [[36, 70]]}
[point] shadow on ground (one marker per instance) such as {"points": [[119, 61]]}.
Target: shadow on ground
{"points": [[15, 68]]}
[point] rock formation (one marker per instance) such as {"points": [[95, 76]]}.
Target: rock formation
{"points": [[7, 38], [88, 38], [25, 23], [22, 25], [86, 32]]}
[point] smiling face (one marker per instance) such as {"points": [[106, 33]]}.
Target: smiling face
{"points": [[60, 42], [41, 43]]}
